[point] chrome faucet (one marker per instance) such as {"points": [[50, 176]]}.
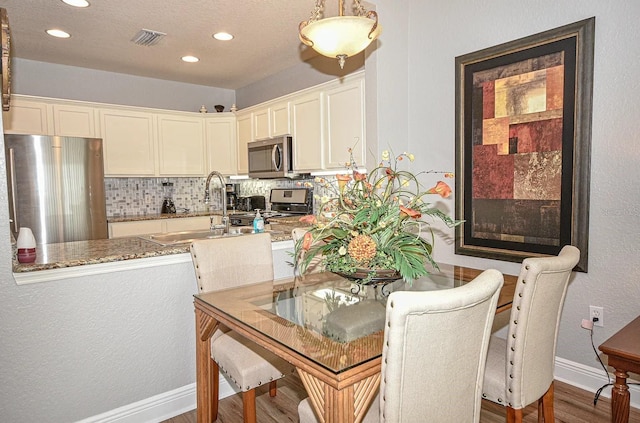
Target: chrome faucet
{"points": [[207, 198]]}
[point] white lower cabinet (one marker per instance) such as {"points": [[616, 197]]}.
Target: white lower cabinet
{"points": [[138, 227], [199, 223], [156, 226]]}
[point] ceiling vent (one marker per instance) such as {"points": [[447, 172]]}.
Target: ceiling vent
{"points": [[147, 37]]}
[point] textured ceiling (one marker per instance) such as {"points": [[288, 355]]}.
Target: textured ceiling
{"points": [[265, 42]]}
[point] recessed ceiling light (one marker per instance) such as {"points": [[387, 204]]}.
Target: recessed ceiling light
{"points": [[190, 59], [58, 33], [76, 3], [222, 36]]}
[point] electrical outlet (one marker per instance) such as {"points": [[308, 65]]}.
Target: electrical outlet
{"points": [[596, 314]]}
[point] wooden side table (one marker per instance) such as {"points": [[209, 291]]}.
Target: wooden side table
{"points": [[623, 350]]}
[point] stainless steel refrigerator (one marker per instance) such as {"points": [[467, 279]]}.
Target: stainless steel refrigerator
{"points": [[56, 187]]}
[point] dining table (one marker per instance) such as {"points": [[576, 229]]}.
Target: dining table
{"points": [[329, 327]]}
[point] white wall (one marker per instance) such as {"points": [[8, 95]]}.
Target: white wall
{"points": [[59, 81], [416, 76]]}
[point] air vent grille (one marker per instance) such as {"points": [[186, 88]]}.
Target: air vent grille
{"points": [[148, 37]]}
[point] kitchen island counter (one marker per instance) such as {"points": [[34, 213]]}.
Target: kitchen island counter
{"points": [[80, 253], [70, 259]]}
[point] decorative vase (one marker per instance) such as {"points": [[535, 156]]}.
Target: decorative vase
{"points": [[219, 108]]}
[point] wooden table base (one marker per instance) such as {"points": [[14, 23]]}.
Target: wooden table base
{"points": [[340, 406], [623, 351]]}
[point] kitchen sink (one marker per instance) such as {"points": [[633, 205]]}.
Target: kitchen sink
{"points": [[186, 237]]}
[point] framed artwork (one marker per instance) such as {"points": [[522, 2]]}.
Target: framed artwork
{"points": [[523, 133]]}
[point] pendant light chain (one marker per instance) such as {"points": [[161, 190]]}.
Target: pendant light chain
{"points": [[358, 8], [318, 12]]}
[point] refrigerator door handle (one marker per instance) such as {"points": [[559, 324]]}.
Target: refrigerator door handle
{"points": [[14, 218]]}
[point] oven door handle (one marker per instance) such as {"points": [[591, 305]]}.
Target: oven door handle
{"points": [[276, 157]]}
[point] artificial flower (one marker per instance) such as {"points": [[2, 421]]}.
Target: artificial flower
{"points": [[375, 220]]}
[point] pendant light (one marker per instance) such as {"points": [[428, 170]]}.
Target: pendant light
{"points": [[340, 36]]}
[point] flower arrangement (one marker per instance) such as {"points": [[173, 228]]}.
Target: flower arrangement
{"points": [[374, 222]]}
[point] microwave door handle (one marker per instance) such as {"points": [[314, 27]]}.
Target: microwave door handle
{"points": [[275, 152], [12, 174]]}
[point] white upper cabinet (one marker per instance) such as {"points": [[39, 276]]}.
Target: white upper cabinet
{"points": [[306, 115], [244, 136], [40, 117], [272, 121], [27, 117], [345, 124], [280, 119], [325, 121], [261, 126], [181, 145], [128, 142], [74, 121], [221, 144]]}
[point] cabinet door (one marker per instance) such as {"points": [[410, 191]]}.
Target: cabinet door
{"points": [[244, 138], [142, 227], [181, 143], [180, 224], [280, 121], [261, 127], [221, 145], [307, 132], [345, 119], [26, 117], [74, 121], [128, 143]]}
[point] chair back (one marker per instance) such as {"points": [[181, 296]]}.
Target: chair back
{"points": [[534, 323], [435, 350], [232, 261]]}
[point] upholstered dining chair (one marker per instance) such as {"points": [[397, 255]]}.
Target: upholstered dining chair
{"points": [[229, 262], [316, 263], [520, 369], [433, 358]]}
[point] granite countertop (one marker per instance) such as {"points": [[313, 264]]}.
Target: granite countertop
{"points": [[80, 253]]}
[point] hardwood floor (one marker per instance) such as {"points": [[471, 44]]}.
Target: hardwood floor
{"points": [[572, 405]]}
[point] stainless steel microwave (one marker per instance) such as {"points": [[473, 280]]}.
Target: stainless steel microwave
{"points": [[271, 158]]}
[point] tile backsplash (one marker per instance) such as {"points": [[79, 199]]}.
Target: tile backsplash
{"points": [[136, 196]]}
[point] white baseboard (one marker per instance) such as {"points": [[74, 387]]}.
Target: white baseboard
{"points": [[170, 404], [590, 379], [160, 407]]}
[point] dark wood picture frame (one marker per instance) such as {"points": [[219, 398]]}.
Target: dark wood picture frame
{"points": [[523, 132]]}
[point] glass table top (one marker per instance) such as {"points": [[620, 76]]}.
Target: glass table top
{"points": [[324, 317]]}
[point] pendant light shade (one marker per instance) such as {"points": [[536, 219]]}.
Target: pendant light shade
{"points": [[340, 36]]}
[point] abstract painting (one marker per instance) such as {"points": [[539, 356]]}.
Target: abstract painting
{"points": [[523, 129]]}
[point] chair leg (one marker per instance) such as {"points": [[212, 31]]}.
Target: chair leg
{"points": [[514, 415], [249, 406], [214, 388], [545, 407], [273, 388]]}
